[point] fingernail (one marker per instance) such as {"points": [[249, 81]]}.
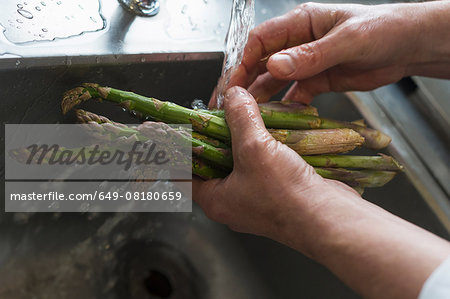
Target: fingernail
{"points": [[283, 64]]}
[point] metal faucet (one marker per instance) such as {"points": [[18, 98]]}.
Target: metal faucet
{"points": [[145, 8]]}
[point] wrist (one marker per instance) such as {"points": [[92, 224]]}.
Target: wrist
{"points": [[314, 215]]}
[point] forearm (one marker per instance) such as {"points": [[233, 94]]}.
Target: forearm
{"points": [[432, 23], [374, 252]]}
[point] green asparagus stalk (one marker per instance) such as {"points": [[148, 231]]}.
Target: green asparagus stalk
{"points": [[357, 178], [313, 142], [208, 123], [283, 110], [205, 171], [308, 120], [220, 156], [163, 111], [211, 141], [381, 162]]}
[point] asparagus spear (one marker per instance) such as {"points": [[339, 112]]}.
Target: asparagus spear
{"points": [[283, 110], [205, 171], [357, 178], [208, 123], [304, 142], [163, 111], [220, 156], [382, 162], [308, 120], [325, 141]]}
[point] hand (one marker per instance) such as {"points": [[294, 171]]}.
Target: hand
{"points": [[341, 47], [271, 187], [273, 192]]}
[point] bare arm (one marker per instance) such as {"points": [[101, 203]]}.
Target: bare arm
{"points": [[273, 192]]}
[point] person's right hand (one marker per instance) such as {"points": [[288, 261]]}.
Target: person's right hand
{"points": [[342, 47]]}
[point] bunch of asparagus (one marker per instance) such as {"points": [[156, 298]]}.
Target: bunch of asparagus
{"points": [[317, 139]]}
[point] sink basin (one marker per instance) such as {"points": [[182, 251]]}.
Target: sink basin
{"points": [[156, 255]]}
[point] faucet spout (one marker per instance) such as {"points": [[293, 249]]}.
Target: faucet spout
{"points": [[145, 8]]}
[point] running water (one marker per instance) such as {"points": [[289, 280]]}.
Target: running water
{"points": [[242, 21]]}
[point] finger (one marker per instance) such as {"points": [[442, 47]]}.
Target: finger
{"points": [[244, 77], [213, 99], [339, 80], [243, 116], [297, 94], [305, 90], [307, 60], [265, 86], [304, 24]]}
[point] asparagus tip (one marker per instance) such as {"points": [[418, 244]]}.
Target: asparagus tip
{"points": [[74, 97]]}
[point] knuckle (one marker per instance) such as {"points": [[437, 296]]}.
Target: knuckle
{"points": [[306, 6], [311, 53]]}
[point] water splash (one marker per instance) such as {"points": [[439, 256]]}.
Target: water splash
{"points": [[242, 21]]}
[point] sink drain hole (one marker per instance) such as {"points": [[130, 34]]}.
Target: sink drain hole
{"points": [[158, 284]]}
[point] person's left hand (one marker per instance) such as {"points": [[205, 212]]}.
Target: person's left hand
{"points": [[271, 191]]}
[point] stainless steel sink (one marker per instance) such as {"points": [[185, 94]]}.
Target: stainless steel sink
{"points": [[156, 255], [174, 56]]}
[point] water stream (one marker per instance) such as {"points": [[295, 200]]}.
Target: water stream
{"points": [[242, 21]]}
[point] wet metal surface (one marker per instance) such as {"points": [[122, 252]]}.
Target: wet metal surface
{"points": [[35, 20]]}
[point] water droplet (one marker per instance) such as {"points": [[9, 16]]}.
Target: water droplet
{"points": [[19, 21], [81, 7], [67, 18], [93, 20], [17, 62], [41, 35], [25, 13], [25, 3], [59, 2], [184, 9], [205, 1], [97, 59], [18, 27], [143, 59], [43, 3], [19, 6], [44, 30], [38, 8]]}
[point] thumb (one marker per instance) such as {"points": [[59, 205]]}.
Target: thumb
{"points": [[242, 115], [309, 59]]}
